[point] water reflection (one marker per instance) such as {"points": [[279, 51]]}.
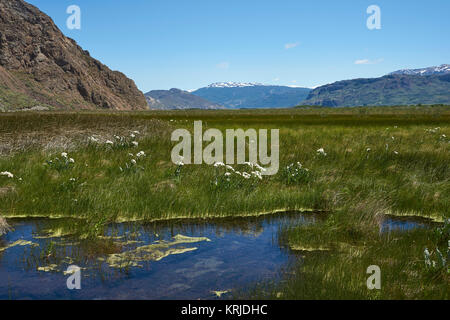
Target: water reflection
{"points": [[178, 259], [396, 223]]}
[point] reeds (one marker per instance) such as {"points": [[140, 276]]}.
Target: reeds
{"points": [[4, 227]]}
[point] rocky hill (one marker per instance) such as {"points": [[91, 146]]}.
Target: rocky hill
{"points": [[41, 68]]}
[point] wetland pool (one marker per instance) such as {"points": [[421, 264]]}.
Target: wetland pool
{"points": [[176, 259]]}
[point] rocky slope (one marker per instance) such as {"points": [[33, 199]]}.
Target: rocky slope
{"points": [[41, 68], [177, 99]]}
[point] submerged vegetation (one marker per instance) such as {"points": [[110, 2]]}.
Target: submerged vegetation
{"points": [[356, 164]]}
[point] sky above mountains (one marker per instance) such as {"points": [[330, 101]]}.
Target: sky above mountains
{"points": [[190, 44]]}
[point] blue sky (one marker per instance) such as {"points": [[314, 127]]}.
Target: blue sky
{"points": [[190, 44]]}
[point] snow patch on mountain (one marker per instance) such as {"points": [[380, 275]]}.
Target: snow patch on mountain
{"points": [[234, 84], [442, 69]]}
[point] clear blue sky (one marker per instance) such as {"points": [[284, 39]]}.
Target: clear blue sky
{"points": [[164, 44]]}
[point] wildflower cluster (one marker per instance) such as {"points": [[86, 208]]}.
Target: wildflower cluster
{"points": [[434, 130], [321, 152], [132, 165], [178, 170], [295, 173], [119, 142], [436, 261], [227, 177], [71, 185], [61, 164], [437, 130], [441, 263], [7, 174]]}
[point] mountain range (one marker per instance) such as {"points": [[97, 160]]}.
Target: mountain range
{"points": [[442, 69], [404, 87], [177, 99], [40, 68], [252, 95]]}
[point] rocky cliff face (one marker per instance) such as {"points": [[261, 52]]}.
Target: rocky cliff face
{"points": [[40, 66]]}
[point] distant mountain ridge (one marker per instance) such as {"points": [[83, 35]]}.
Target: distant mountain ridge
{"points": [[235, 95], [175, 99], [437, 70], [41, 68], [234, 84], [394, 89]]}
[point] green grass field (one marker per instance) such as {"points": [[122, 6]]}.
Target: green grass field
{"points": [[378, 161]]}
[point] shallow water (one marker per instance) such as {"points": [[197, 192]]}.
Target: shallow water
{"points": [[240, 252], [182, 259], [396, 223]]}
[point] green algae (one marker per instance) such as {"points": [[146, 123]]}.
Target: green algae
{"points": [[21, 243], [153, 252]]}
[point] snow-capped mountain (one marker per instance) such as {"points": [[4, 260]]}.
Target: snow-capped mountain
{"points": [[442, 69], [234, 84]]}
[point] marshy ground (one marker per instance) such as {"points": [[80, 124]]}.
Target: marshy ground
{"points": [[102, 168]]}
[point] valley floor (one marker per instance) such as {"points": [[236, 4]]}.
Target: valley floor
{"points": [[105, 167]]}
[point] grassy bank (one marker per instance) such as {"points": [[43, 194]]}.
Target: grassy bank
{"points": [[397, 158]]}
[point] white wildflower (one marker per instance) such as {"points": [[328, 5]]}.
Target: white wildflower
{"points": [[246, 175], [427, 257], [7, 174], [396, 152], [141, 154], [227, 174], [136, 132], [109, 142], [71, 160], [230, 168], [249, 164], [257, 174], [93, 139], [219, 164], [260, 168], [133, 161], [133, 135], [64, 154], [135, 143], [368, 149], [322, 152]]}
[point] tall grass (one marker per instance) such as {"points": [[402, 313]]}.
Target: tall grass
{"points": [[406, 167], [4, 227], [378, 161]]}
